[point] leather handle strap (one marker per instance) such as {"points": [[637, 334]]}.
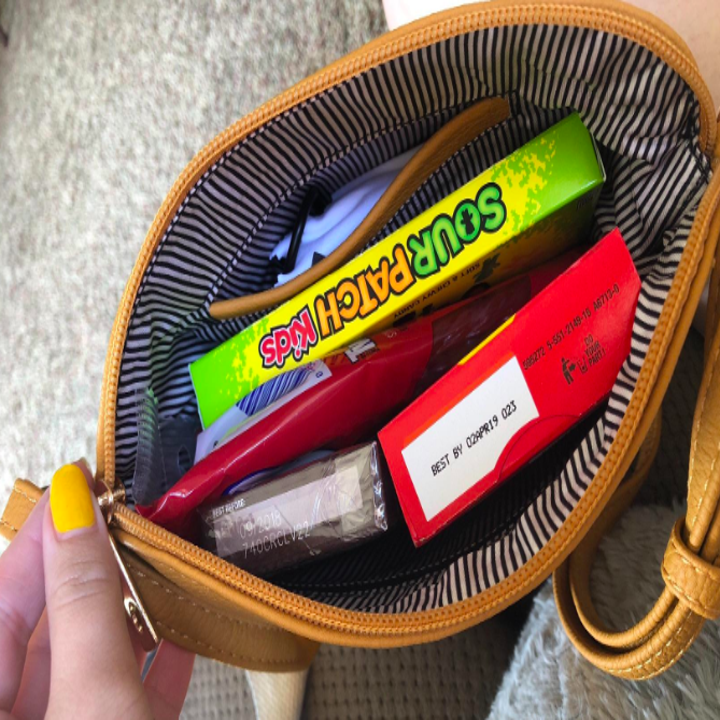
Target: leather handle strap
{"points": [[712, 317], [660, 638], [452, 137], [691, 565], [692, 591], [184, 610]]}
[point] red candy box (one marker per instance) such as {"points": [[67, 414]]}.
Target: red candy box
{"points": [[518, 391]]}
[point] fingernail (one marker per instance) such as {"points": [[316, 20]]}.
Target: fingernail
{"points": [[70, 500], [83, 461]]}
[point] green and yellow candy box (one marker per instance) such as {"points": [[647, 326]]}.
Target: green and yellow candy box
{"points": [[518, 213]]}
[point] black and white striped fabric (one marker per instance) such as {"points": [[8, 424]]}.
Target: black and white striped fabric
{"points": [[645, 120]]}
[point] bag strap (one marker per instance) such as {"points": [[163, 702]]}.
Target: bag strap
{"points": [[691, 566]]}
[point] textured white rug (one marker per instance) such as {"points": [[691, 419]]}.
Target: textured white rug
{"points": [[548, 679]]}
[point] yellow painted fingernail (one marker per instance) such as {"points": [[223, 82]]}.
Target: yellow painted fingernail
{"points": [[70, 500]]}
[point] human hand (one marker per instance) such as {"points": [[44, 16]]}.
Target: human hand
{"points": [[65, 646]]}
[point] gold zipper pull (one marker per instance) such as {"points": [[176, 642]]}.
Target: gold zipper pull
{"points": [[132, 601], [134, 606]]}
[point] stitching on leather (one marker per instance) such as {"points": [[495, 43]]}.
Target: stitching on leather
{"points": [[695, 568], [673, 637], [8, 525], [679, 654], [220, 651], [218, 615], [713, 366], [709, 475], [673, 658], [691, 600], [31, 500]]}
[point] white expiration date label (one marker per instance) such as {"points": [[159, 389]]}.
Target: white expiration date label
{"points": [[465, 444]]}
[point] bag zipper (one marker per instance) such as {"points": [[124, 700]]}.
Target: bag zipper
{"points": [[605, 17]]}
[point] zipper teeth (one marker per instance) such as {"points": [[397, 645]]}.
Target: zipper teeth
{"points": [[295, 605]]}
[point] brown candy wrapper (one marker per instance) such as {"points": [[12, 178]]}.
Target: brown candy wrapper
{"points": [[320, 509]]}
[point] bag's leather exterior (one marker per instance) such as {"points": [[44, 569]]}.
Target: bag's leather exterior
{"points": [[22, 500], [201, 618], [193, 604], [691, 578]]}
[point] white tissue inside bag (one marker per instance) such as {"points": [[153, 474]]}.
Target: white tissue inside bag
{"points": [[348, 208]]}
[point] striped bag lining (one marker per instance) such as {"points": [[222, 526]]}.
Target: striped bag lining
{"points": [[646, 121]]}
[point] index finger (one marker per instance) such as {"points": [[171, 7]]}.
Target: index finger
{"points": [[22, 600]]}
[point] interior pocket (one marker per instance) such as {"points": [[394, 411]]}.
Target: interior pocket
{"points": [[645, 120]]}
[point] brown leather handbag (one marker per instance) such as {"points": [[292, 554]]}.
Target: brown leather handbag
{"points": [[471, 85]]}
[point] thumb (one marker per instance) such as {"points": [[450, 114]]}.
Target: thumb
{"points": [[93, 672]]}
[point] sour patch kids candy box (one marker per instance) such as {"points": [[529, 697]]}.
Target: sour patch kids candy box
{"points": [[520, 212]]}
